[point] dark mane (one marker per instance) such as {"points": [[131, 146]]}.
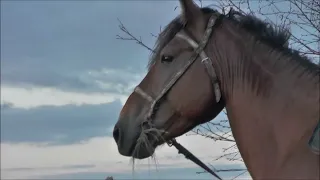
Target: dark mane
{"points": [[275, 36]]}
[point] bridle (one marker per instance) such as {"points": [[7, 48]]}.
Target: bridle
{"points": [[199, 51]]}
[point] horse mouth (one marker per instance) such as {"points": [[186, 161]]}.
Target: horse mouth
{"points": [[146, 143], [142, 152]]}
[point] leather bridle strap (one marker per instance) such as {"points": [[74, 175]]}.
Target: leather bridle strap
{"points": [[191, 157], [199, 51]]}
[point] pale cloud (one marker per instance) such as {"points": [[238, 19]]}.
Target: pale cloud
{"points": [[118, 80], [37, 96], [100, 154], [115, 83]]}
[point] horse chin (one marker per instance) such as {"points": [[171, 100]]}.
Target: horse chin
{"points": [[143, 153], [145, 146], [148, 140]]}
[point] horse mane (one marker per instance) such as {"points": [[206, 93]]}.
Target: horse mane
{"points": [[275, 36]]}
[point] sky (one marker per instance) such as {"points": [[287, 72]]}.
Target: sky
{"points": [[64, 79]]}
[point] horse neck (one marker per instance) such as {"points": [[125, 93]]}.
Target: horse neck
{"points": [[272, 102]]}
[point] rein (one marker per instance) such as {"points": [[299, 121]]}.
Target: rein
{"points": [[199, 51], [191, 157]]}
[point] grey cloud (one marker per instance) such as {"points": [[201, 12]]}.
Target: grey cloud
{"points": [[164, 172], [47, 79], [118, 81], [58, 124], [6, 105], [53, 43], [80, 166]]}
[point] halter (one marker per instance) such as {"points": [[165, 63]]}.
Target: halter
{"points": [[199, 51]]}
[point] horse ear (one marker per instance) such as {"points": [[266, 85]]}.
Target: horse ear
{"points": [[189, 11]]}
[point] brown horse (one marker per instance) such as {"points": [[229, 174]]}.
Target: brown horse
{"points": [[205, 61]]}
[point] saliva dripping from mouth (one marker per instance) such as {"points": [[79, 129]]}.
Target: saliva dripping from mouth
{"points": [[148, 139]]}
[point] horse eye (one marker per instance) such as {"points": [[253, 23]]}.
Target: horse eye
{"points": [[166, 58]]}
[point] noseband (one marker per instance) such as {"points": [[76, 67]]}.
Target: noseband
{"points": [[199, 51]]}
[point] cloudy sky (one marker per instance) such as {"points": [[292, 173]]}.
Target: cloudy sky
{"points": [[64, 79]]}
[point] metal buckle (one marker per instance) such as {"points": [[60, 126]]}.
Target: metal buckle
{"points": [[205, 59], [170, 143]]}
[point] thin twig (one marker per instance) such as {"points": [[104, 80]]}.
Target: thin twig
{"points": [[131, 37]]}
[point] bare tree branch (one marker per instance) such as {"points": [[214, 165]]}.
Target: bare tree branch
{"points": [[131, 37], [224, 170]]}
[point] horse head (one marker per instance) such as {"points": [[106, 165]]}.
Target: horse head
{"points": [[177, 93]]}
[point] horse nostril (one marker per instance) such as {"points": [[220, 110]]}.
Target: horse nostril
{"points": [[116, 134]]}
